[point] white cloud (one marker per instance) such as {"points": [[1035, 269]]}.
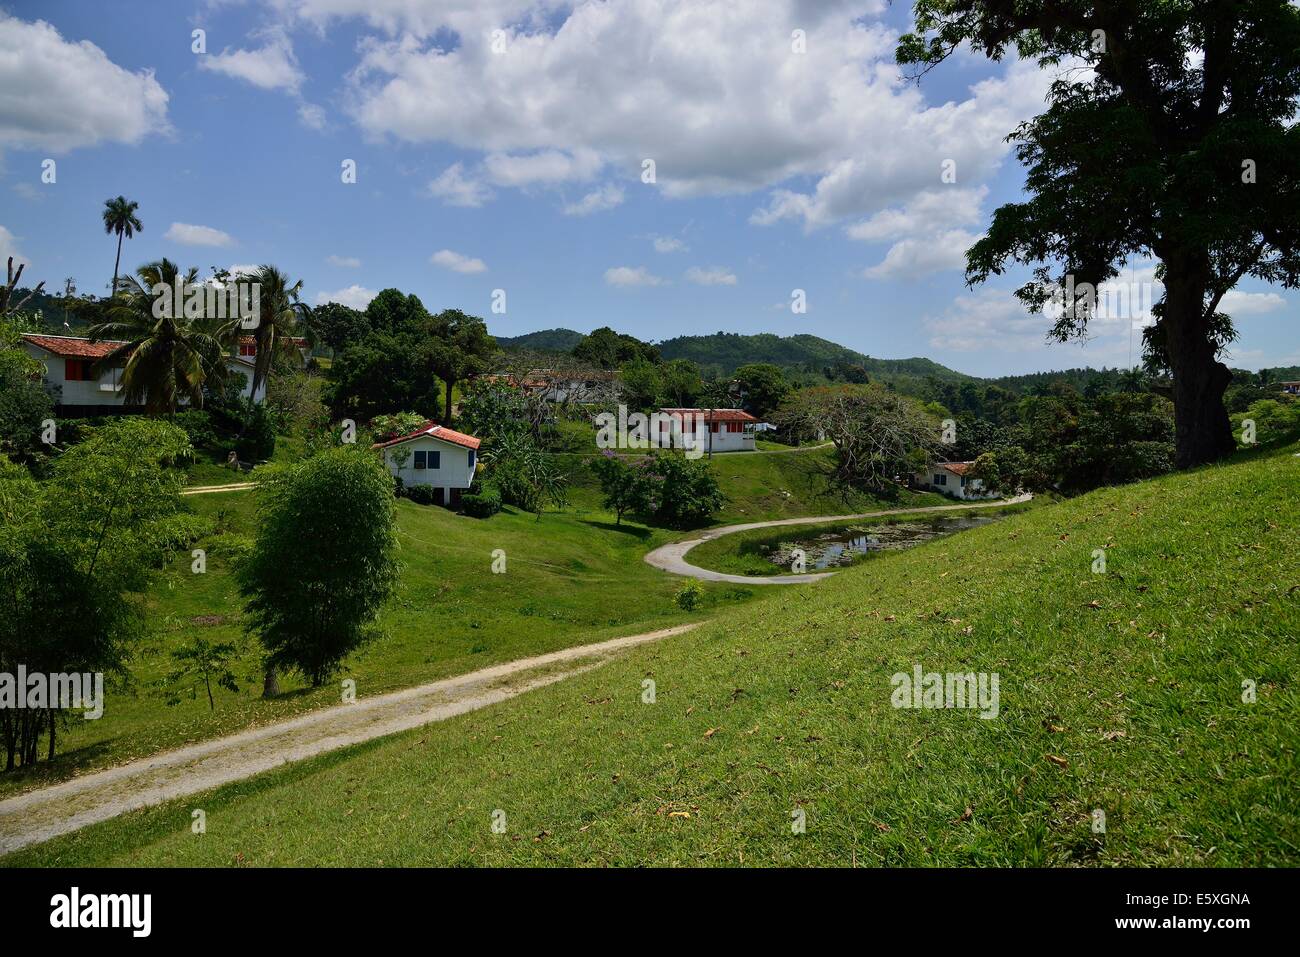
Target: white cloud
{"points": [[668, 244], [630, 276], [344, 262], [9, 247], [454, 188], [242, 269], [928, 212], [547, 166], [597, 201], [716, 276], [357, 297], [717, 117], [914, 258], [190, 235], [987, 319], [456, 262], [1238, 303], [59, 95], [311, 116], [270, 67]]}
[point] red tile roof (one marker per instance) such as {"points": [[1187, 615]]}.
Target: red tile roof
{"points": [[434, 431], [72, 347], [715, 415], [298, 341], [956, 468]]}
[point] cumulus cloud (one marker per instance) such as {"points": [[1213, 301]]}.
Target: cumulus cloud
{"points": [[1235, 302], [190, 235], [344, 262], [599, 200], [449, 259], [9, 247], [914, 258], [631, 276], [987, 319], [357, 297], [928, 212], [715, 276], [546, 167], [717, 118], [269, 67], [59, 95], [311, 116], [455, 188], [668, 244]]}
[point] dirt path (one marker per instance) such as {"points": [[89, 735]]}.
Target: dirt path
{"points": [[207, 489], [40, 815], [672, 557]]}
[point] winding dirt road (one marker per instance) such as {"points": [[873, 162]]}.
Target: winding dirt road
{"points": [[672, 557], [48, 812]]}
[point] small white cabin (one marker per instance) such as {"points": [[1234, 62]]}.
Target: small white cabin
{"points": [[433, 455], [950, 478]]}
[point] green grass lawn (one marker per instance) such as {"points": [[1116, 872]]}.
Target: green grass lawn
{"points": [[570, 579], [1120, 692]]}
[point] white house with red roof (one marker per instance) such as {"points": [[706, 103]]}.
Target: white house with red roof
{"points": [[433, 455], [83, 386], [951, 478], [723, 430]]}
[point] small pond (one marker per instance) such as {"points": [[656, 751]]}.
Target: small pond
{"points": [[844, 546]]}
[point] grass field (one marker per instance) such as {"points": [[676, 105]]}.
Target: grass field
{"points": [[570, 579], [1120, 692]]}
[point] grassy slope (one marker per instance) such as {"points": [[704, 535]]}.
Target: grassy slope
{"points": [[570, 579], [1131, 678], [763, 486]]}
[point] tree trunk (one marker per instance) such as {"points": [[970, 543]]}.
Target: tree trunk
{"points": [[116, 263], [1202, 432], [271, 684]]}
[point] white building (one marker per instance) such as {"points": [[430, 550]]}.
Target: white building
{"points": [[725, 430], [433, 455], [950, 478], [83, 387]]}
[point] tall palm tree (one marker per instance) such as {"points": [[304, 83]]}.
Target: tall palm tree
{"points": [[120, 218], [281, 317], [163, 359]]}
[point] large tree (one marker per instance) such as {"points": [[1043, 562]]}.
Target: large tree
{"points": [[1168, 134], [282, 316], [458, 348], [164, 360], [120, 218]]}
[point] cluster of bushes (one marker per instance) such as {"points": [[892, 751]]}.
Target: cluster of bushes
{"points": [[484, 503], [662, 488]]}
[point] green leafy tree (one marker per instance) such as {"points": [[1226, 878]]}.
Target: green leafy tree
{"points": [[1178, 143], [680, 383], [381, 374], [76, 551], [763, 388], [198, 664], [458, 348], [625, 485], [331, 520], [641, 384], [680, 492], [607, 349], [120, 219], [525, 476], [338, 326]]}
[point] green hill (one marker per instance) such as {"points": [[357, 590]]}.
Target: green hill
{"points": [[546, 340], [1119, 692]]}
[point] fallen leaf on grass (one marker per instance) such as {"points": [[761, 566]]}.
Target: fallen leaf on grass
{"points": [[966, 815], [1056, 759], [711, 732], [1112, 735]]}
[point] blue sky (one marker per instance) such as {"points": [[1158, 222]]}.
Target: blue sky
{"points": [[500, 144]]}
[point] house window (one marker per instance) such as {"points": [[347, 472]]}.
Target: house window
{"points": [[248, 348], [419, 460], [940, 479], [78, 370], [471, 459], [963, 481], [734, 426], [713, 427], [435, 459]]}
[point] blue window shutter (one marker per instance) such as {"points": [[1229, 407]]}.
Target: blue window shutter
{"points": [[435, 460], [471, 458]]}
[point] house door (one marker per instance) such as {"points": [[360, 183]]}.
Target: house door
{"points": [[437, 496], [455, 497]]}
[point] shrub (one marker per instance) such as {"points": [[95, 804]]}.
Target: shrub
{"points": [[482, 504], [257, 443], [685, 492], [422, 494], [690, 596]]}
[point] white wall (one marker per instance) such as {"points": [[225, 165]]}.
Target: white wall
{"points": [[974, 488], [454, 469]]}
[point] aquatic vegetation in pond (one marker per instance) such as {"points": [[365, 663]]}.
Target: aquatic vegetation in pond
{"points": [[851, 543]]}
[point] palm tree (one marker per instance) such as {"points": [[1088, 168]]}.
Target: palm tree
{"points": [[120, 218], [281, 317], [163, 359]]}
